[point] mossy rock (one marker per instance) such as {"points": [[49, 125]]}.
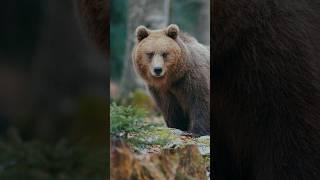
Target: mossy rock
{"points": [[148, 137], [181, 163]]}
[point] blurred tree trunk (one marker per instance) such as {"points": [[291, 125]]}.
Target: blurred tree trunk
{"points": [[58, 46], [203, 28], [153, 15], [65, 68]]}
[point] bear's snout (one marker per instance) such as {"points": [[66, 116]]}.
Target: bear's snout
{"points": [[157, 71], [157, 66]]}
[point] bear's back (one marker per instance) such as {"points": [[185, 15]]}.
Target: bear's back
{"points": [[199, 54]]}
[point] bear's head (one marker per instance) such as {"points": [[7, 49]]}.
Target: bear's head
{"points": [[158, 55]]}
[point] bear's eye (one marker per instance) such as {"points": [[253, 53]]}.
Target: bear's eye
{"points": [[165, 54], [150, 54]]}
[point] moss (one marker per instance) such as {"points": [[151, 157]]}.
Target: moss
{"points": [[150, 137], [141, 99], [203, 140], [138, 98], [147, 136], [180, 176], [130, 121]]}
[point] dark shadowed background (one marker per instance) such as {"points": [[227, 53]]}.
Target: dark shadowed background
{"points": [[53, 89]]}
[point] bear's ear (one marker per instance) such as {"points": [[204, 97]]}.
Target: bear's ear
{"points": [[173, 31], [141, 33]]}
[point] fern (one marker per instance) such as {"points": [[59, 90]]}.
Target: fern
{"points": [[126, 119]]}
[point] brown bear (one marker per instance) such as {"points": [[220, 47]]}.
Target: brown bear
{"points": [[176, 69]]}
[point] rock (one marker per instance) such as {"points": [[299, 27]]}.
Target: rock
{"points": [[203, 144], [179, 163]]}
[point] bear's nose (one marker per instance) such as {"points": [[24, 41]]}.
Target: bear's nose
{"points": [[157, 70]]}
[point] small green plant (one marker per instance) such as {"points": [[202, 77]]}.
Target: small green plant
{"points": [[126, 119], [129, 123]]}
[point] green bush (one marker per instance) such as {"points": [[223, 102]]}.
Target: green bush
{"points": [[38, 160], [126, 119]]}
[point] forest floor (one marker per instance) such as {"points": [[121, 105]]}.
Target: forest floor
{"points": [[143, 147]]}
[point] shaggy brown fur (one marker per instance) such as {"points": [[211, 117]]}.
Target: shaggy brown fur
{"points": [[94, 14], [266, 99], [183, 92]]}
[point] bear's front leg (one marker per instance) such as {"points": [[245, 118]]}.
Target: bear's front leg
{"points": [[174, 116], [170, 109], [199, 116]]}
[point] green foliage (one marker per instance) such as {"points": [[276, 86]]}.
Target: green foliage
{"points": [[184, 13], [118, 36], [126, 119], [149, 136], [138, 98], [130, 120], [141, 99], [37, 160]]}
